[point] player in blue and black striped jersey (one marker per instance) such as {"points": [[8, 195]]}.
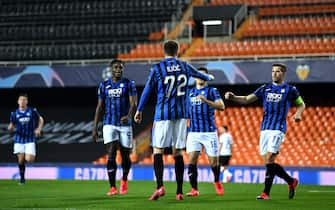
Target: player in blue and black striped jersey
{"points": [[277, 98], [118, 97], [203, 100], [28, 124], [169, 79]]}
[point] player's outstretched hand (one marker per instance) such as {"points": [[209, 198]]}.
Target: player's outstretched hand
{"points": [[95, 136], [37, 132], [138, 117], [229, 95], [124, 120], [201, 97], [211, 76]]}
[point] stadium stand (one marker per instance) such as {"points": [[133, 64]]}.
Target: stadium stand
{"points": [[313, 148], [309, 150], [267, 47], [53, 30], [269, 2], [291, 26], [62, 30], [296, 10], [149, 51]]}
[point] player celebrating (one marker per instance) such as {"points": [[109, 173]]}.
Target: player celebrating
{"points": [[118, 96], [202, 132], [169, 79], [28, 123], [277, 99], [225, 144]]}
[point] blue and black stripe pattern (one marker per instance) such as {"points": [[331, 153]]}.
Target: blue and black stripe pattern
{"points": [[25, 123], [169, 80], [201, 114], [116, 99], [277, 99]]}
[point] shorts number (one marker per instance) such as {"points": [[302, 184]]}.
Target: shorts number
{"points": [[276, 140]]}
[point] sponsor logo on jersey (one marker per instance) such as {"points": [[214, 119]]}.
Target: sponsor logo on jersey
{"points": [[115, 92], [24, 120], [195, 101], [273, 97]]}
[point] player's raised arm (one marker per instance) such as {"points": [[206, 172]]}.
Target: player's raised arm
{"points": [[240, 99], [197, 74], [149, 86]]}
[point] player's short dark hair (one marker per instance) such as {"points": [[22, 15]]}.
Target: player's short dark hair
{"points": [[225, 127], [171, 47], [281, 65], [116, 61], [203, 69], [23, 95]]}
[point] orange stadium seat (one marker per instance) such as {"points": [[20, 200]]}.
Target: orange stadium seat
{"points": [[294, 10], [147, 51], [290, 26], [269, 47], [268, 2]]}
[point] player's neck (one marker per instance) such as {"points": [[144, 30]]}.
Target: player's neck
{"points": [[23, 108], [200, 86], [278, 82], [169, 56], [116, 79]]}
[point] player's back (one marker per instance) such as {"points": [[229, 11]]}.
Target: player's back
{"points": [[171, 77]]}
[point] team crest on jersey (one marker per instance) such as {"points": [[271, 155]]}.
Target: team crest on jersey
{"points": [[122, 85], [202, 92], [274, 97], [28, 114], [282, 90], [115, 92]]}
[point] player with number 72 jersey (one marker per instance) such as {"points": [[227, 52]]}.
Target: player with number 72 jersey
{"points": [[169, 80]]}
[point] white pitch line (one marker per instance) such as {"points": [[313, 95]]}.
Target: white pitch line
{"points": [[321, 191]]}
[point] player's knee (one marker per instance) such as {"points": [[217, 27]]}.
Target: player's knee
{"points": [[21, 161], [193, 158], [214, 162], [30, 159], [158, 150], [111, 155], [177, 152]]}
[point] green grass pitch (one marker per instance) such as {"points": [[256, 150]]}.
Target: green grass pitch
{"points": [[73, 195]]}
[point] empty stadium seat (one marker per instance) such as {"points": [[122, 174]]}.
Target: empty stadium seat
{"points": [[268, 2], [291, 26], [49, 26], [305, 143], [267, 47]]}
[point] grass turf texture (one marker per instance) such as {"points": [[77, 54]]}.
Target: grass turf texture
{"points": [[91, 195]]}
